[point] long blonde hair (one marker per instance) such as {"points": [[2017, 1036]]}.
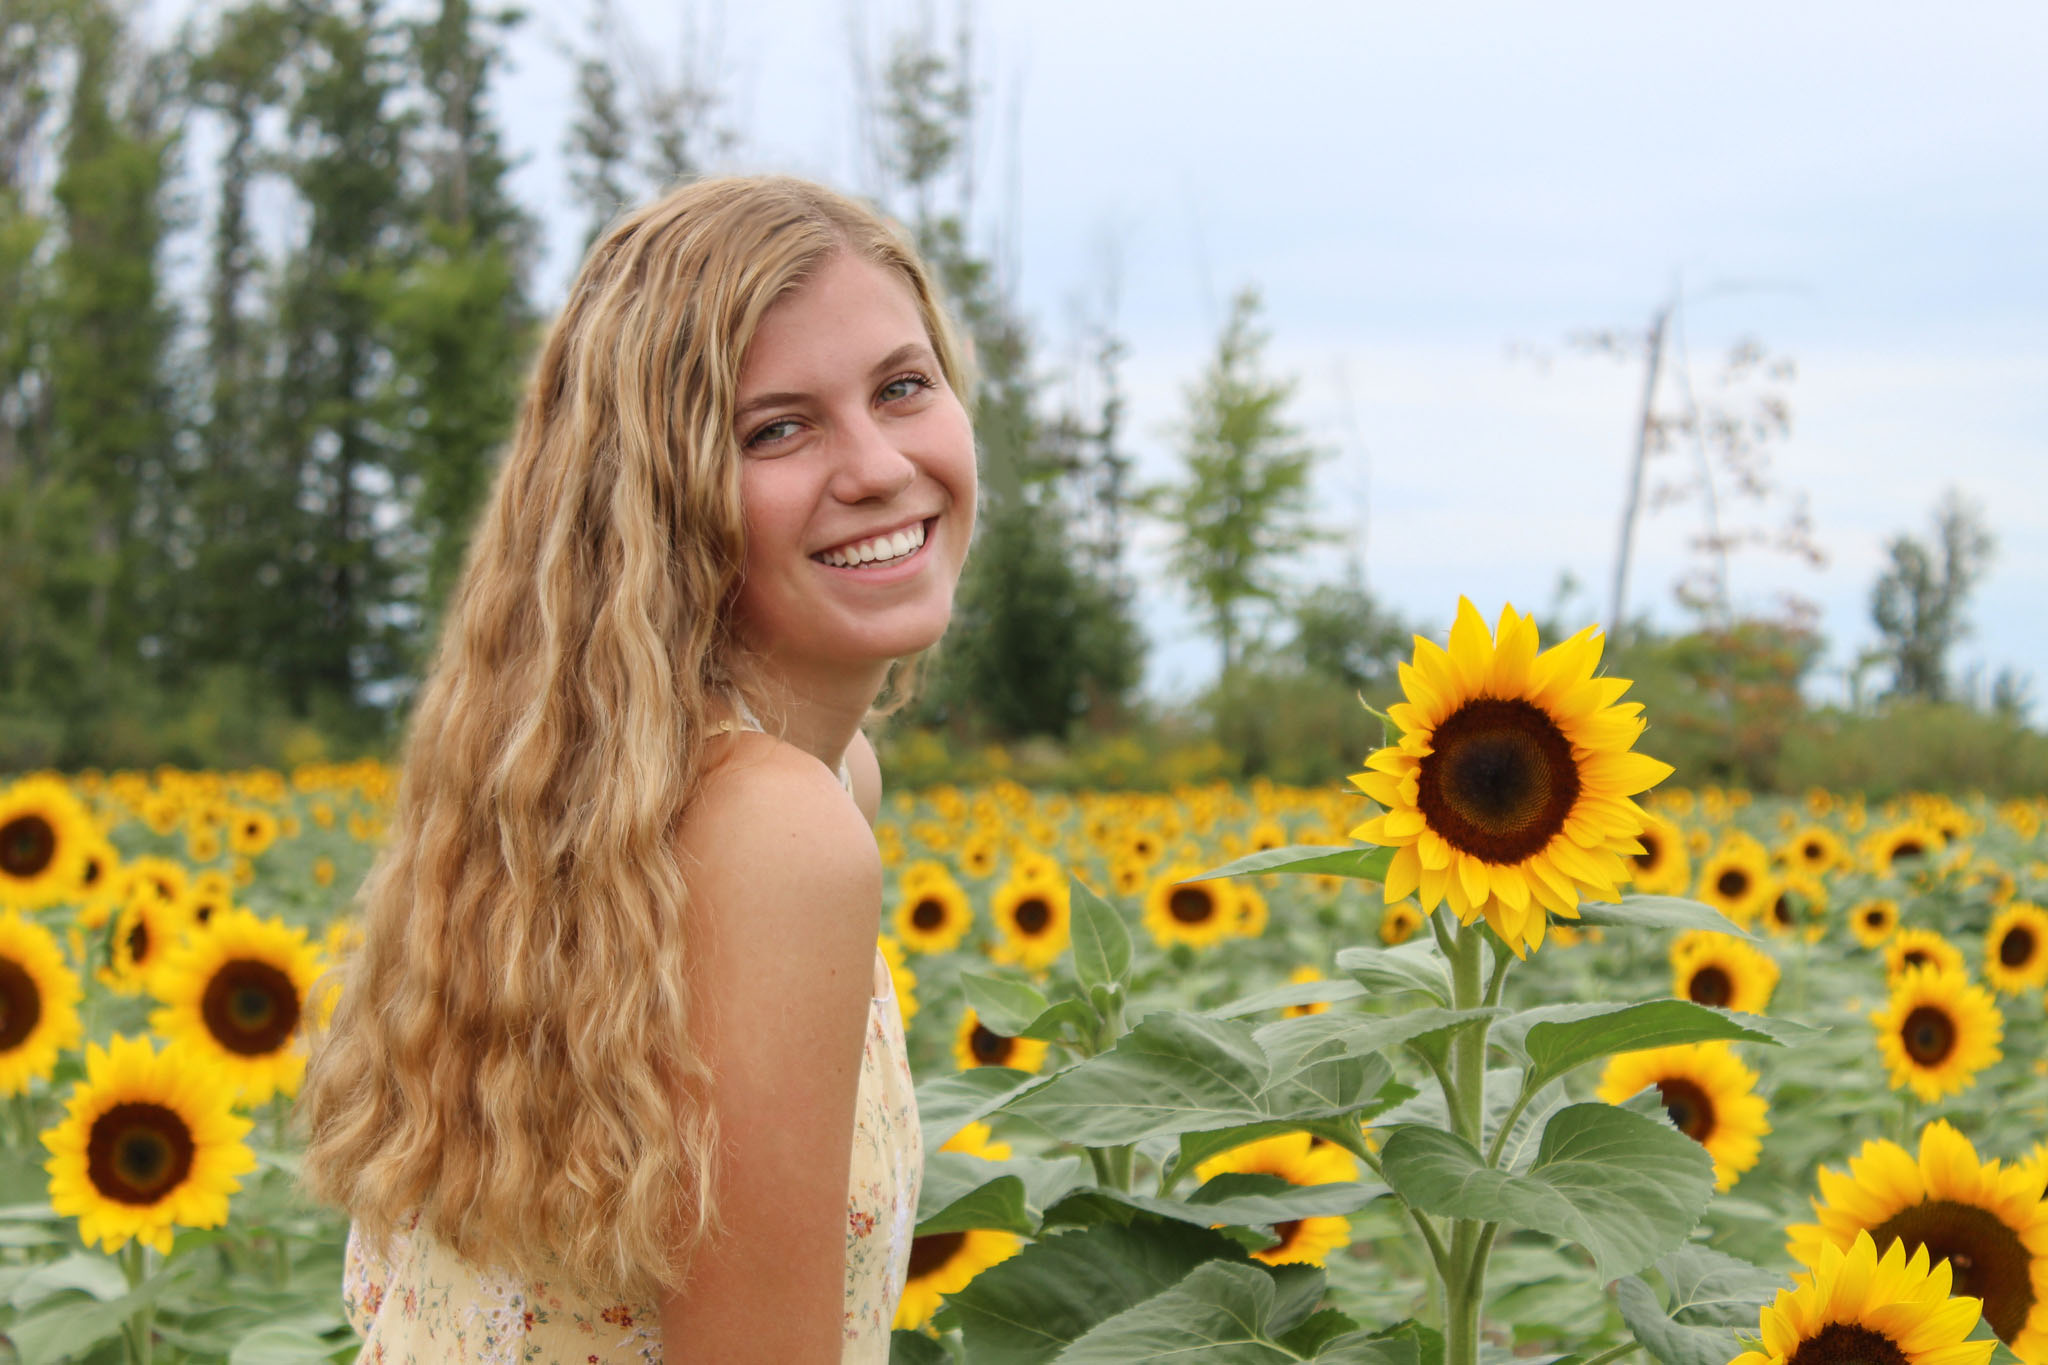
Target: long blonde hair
{"points": [[511, 1055]]}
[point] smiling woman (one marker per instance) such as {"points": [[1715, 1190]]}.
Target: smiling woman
{"points": [[611, 1076]]}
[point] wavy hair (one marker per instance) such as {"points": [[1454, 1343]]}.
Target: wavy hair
{"points": [[510, 1056]]}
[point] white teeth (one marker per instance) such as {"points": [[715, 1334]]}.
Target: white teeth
{"points": [[881, 548]]}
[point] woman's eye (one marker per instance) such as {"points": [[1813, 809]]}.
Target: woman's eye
{"points": [[766, 436], [915, 381]]}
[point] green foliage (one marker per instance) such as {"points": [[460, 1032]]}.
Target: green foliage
{"points": [[1919, 599]]}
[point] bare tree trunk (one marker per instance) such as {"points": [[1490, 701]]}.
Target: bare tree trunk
{"points": [[1616, 621]]}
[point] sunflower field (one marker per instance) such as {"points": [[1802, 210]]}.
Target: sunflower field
{"points": [[1499, 1050]]}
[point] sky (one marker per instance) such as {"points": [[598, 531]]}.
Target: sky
{"points": [[1433, 200]]}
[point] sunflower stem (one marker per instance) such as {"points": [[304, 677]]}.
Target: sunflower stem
{"points": [[141, 1327], [1465, 1285]]}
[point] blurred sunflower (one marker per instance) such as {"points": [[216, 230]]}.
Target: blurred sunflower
{"points": [[979, 853], [904, 979], [1398, 923], [1034, 918], [1191, 912], [1873, 921], [1912, 948], [44, 834], [1815, 850], [1662, 868], [147, 1141], [1799, 902], [934, 913], [1986, 1220], [1295, 1158], [1709, 1094], [1301, 976], [974, 1140], [1736, 880], [235, 993], [1901, 848], [1252, 912], [1937, 1032], [943, 1263], [144, 934], [1721, 971], [2016, 949], [978, 1045], [1265, 835], [38, 1003], [1508, 794], [1858, 1307]]}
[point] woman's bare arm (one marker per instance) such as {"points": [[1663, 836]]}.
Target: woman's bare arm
{"points": [[785, 898]]}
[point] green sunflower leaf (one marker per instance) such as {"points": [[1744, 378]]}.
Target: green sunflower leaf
{"points": [[1292, 1043], [1221, 1313], [1711, 1287], [915, 1348], [1415, 966], [1173, 1073], [1655, 912], [1102, 941], [998, 1204], [1330, 992], [1196, 1148], [962, 1191], [280, 1344], [1029, 1308], [1624, 1187], [1557, 1038], [1051, 1026], [946, 1104], [1007, 1007], [1363, 862], [1235, 1199], [1667, 1341]]}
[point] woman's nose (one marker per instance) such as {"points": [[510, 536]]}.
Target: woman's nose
{"points": [[872, 466]]}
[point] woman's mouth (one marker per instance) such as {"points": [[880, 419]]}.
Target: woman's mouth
{"points": [[880, 552]]}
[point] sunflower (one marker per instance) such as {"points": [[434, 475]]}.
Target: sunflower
{"points": [[943, 1263], [2016, 949], [1298, 1160], [1858, 1306], [44, 833], [1034, 918], [1912, 948], [147, 1141], [1398, 923], [1722, 971], [1191, 912], [236, 993], [1798, 901], [1252, 912], [1508, 794], [978, 1045], [1301, 976], [903, 979], [1662, 868], [1873, 921], [38, 1003], [979, 853], [1985, 1219], [1267, 834], [1902, 848], [1736, 880], [1815, 850], [1709, 1094], [1937, 1032], [144, 934], [974, 1140], [934, 913], [1143, 845]]}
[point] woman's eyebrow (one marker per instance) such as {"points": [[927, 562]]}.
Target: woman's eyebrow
{"points": [[908, 351]]}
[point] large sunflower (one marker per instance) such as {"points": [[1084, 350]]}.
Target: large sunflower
{"points": [[943, 1263], [44, 833], [1736, 880], [38, 1003], [1985, 1219], [1857, 1306], [147, 1141], [1508, 794], [1722, 971], [1662, 868], [2016, 949], [1709, 1094], [235, 991], [1299, 1160], [1912, 948], [1032, 915], [934, 913], [1937, 1032], [976, 1044], [1191, 912]]}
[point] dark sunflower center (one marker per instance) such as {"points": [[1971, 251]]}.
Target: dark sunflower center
{"points": [[94, 870], [1690, 1107], [1286, 1232], [250, 1007], [1191, 905], [932, 1252], [1911, 848], [1846, 1343], [1031, 916], [1873, 918], [928, 914], [27, 844], [2016, 949], [1987, 1258], [990, 1049], [1734, 883], [1928, 1035], [1915, 957], [1710, 986], [1500, 781], [1781, 909], [1652, 850], [21, 1004], [138, 941], [1813, 850], [137, 1153]]}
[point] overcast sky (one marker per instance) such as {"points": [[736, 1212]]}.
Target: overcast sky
{"points": [[1433, 198]]}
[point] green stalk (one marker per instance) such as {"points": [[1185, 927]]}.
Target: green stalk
{"points": [[1465, 1286], [140, 1331]]}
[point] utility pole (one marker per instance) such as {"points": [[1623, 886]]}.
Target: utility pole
{"points": [[1645, 430]]}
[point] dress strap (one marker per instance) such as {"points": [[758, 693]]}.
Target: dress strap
{"points": [[748, 721]]}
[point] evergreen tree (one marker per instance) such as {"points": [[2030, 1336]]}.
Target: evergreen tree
{"points": [[1918, 600]]}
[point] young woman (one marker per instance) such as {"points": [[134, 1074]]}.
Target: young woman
{"points": [[616, 1073]]}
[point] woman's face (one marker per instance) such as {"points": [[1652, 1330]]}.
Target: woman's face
{"points": [[857, 474]]}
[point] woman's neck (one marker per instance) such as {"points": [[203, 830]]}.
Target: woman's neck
{"points": [[823, 705]]}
